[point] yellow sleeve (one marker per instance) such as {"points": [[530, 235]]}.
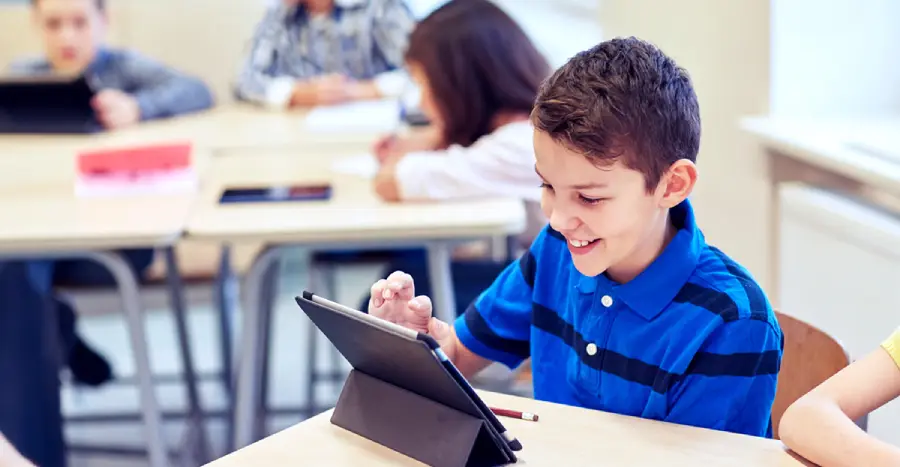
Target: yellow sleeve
{"points": [[892, 345]]}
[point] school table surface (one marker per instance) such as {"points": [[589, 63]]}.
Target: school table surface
{"points": [[354, 218], [41, 217], [563, 436], [236, 126]]}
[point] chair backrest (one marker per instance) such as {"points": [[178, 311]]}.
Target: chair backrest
{"points": [[810, 357]]}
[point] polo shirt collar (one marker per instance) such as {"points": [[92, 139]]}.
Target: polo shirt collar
{"points": [[652, 290]]}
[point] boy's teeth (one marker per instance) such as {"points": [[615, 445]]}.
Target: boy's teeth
{"points": [[579, 243]]}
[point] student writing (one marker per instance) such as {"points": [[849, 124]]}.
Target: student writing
{"points": [[620, 303], [478, 73], [819, 425], [313, 52]]}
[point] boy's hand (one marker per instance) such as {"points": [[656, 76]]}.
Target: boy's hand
{"points": [[393, 299], [116, 109]]}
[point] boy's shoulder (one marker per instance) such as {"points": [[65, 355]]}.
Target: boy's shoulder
{"points": [[725, 288]]}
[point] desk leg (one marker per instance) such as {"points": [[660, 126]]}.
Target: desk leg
{"points": [[439, 257], [252, 354], [131, 304], [200, 450], [225, 294]]}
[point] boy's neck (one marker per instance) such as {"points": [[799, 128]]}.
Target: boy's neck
{"points": [[655, 243]]}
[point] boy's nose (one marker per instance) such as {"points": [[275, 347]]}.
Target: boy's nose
{"points": [[562, 221]]}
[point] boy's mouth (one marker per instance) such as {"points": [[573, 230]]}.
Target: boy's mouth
{"points": [[581, 246]]}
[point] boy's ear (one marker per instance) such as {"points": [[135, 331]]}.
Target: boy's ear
{"points": [[678, 183]]}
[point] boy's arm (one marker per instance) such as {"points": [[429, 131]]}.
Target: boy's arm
{"points": [[497, 326], [258, 81], [730, 383], [161, 91], [393, 24], [819, 425]]}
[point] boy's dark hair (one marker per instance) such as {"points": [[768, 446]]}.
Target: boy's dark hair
{"points": [[101, 4], [478, 62], [623, 97]]}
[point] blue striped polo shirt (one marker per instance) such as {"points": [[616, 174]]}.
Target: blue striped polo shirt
{"points": [[690, 340]]}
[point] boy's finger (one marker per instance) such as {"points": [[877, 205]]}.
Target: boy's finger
{"points": [[420, 307], [438, 329], [376, 291]]}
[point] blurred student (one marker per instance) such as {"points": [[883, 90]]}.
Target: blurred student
{"points": [[317, 52], [478, 73], [132, 88], [819, 426]]}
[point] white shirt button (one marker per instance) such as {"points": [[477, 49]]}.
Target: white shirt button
{"points": [[607, 301], [591, 349]]}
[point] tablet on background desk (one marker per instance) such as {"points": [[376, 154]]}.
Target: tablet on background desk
{"points": [[272, 194], [47, 105]]}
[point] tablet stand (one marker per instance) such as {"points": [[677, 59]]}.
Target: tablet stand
{"points": [[414, 425]]}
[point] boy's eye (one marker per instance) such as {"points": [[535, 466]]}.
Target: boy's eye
{"points": [[590, 201], [546, 186]]}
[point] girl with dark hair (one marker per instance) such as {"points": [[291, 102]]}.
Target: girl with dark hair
{"points": [[478, 73]]}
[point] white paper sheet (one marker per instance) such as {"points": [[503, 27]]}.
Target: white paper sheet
{"points": [[363, 165], [164, 182], [379, 116]]}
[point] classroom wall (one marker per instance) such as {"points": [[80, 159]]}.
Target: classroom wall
{"points": [[832, 57], [725, 47]]}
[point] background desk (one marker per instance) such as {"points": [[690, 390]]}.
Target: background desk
{"points": [[230, 127], [564, 436], [40, 217], [353, 219]]}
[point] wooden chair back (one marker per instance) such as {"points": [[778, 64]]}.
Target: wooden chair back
{"points": [[810, 357]]}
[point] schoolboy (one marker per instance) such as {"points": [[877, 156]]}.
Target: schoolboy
{"points": [[620, 303], [131, 87]]}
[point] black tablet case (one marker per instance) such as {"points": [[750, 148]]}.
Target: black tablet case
{"points": [[47, 106], [399, 395]]}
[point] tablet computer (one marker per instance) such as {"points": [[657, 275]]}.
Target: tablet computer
{"points": [[405, 358], [44, 105]]}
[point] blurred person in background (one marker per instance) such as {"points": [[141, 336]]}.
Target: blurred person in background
{"points": [[130, 88], [478, 73], [319, 52]]}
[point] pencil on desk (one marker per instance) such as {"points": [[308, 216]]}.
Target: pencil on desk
{"points": [[533, 417]]}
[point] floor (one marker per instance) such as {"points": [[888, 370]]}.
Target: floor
{"points": [[102, 326]]}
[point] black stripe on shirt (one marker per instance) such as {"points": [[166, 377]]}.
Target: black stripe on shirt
{"points": [[637, 371], [736, 364], [755, 296], [528, 265], [714, 301], [484, 334]]}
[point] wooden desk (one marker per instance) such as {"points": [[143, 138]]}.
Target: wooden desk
{"points": [[229, 127], [564, 436], [353, 219], [41, 217]]}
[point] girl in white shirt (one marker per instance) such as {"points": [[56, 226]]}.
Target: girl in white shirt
{"points": [[478, 73]]}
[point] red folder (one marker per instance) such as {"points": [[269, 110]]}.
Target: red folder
{"points": [[151, 158]]}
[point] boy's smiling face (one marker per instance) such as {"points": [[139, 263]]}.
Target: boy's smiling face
{"points": [[611, 222], [72, 31]]}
